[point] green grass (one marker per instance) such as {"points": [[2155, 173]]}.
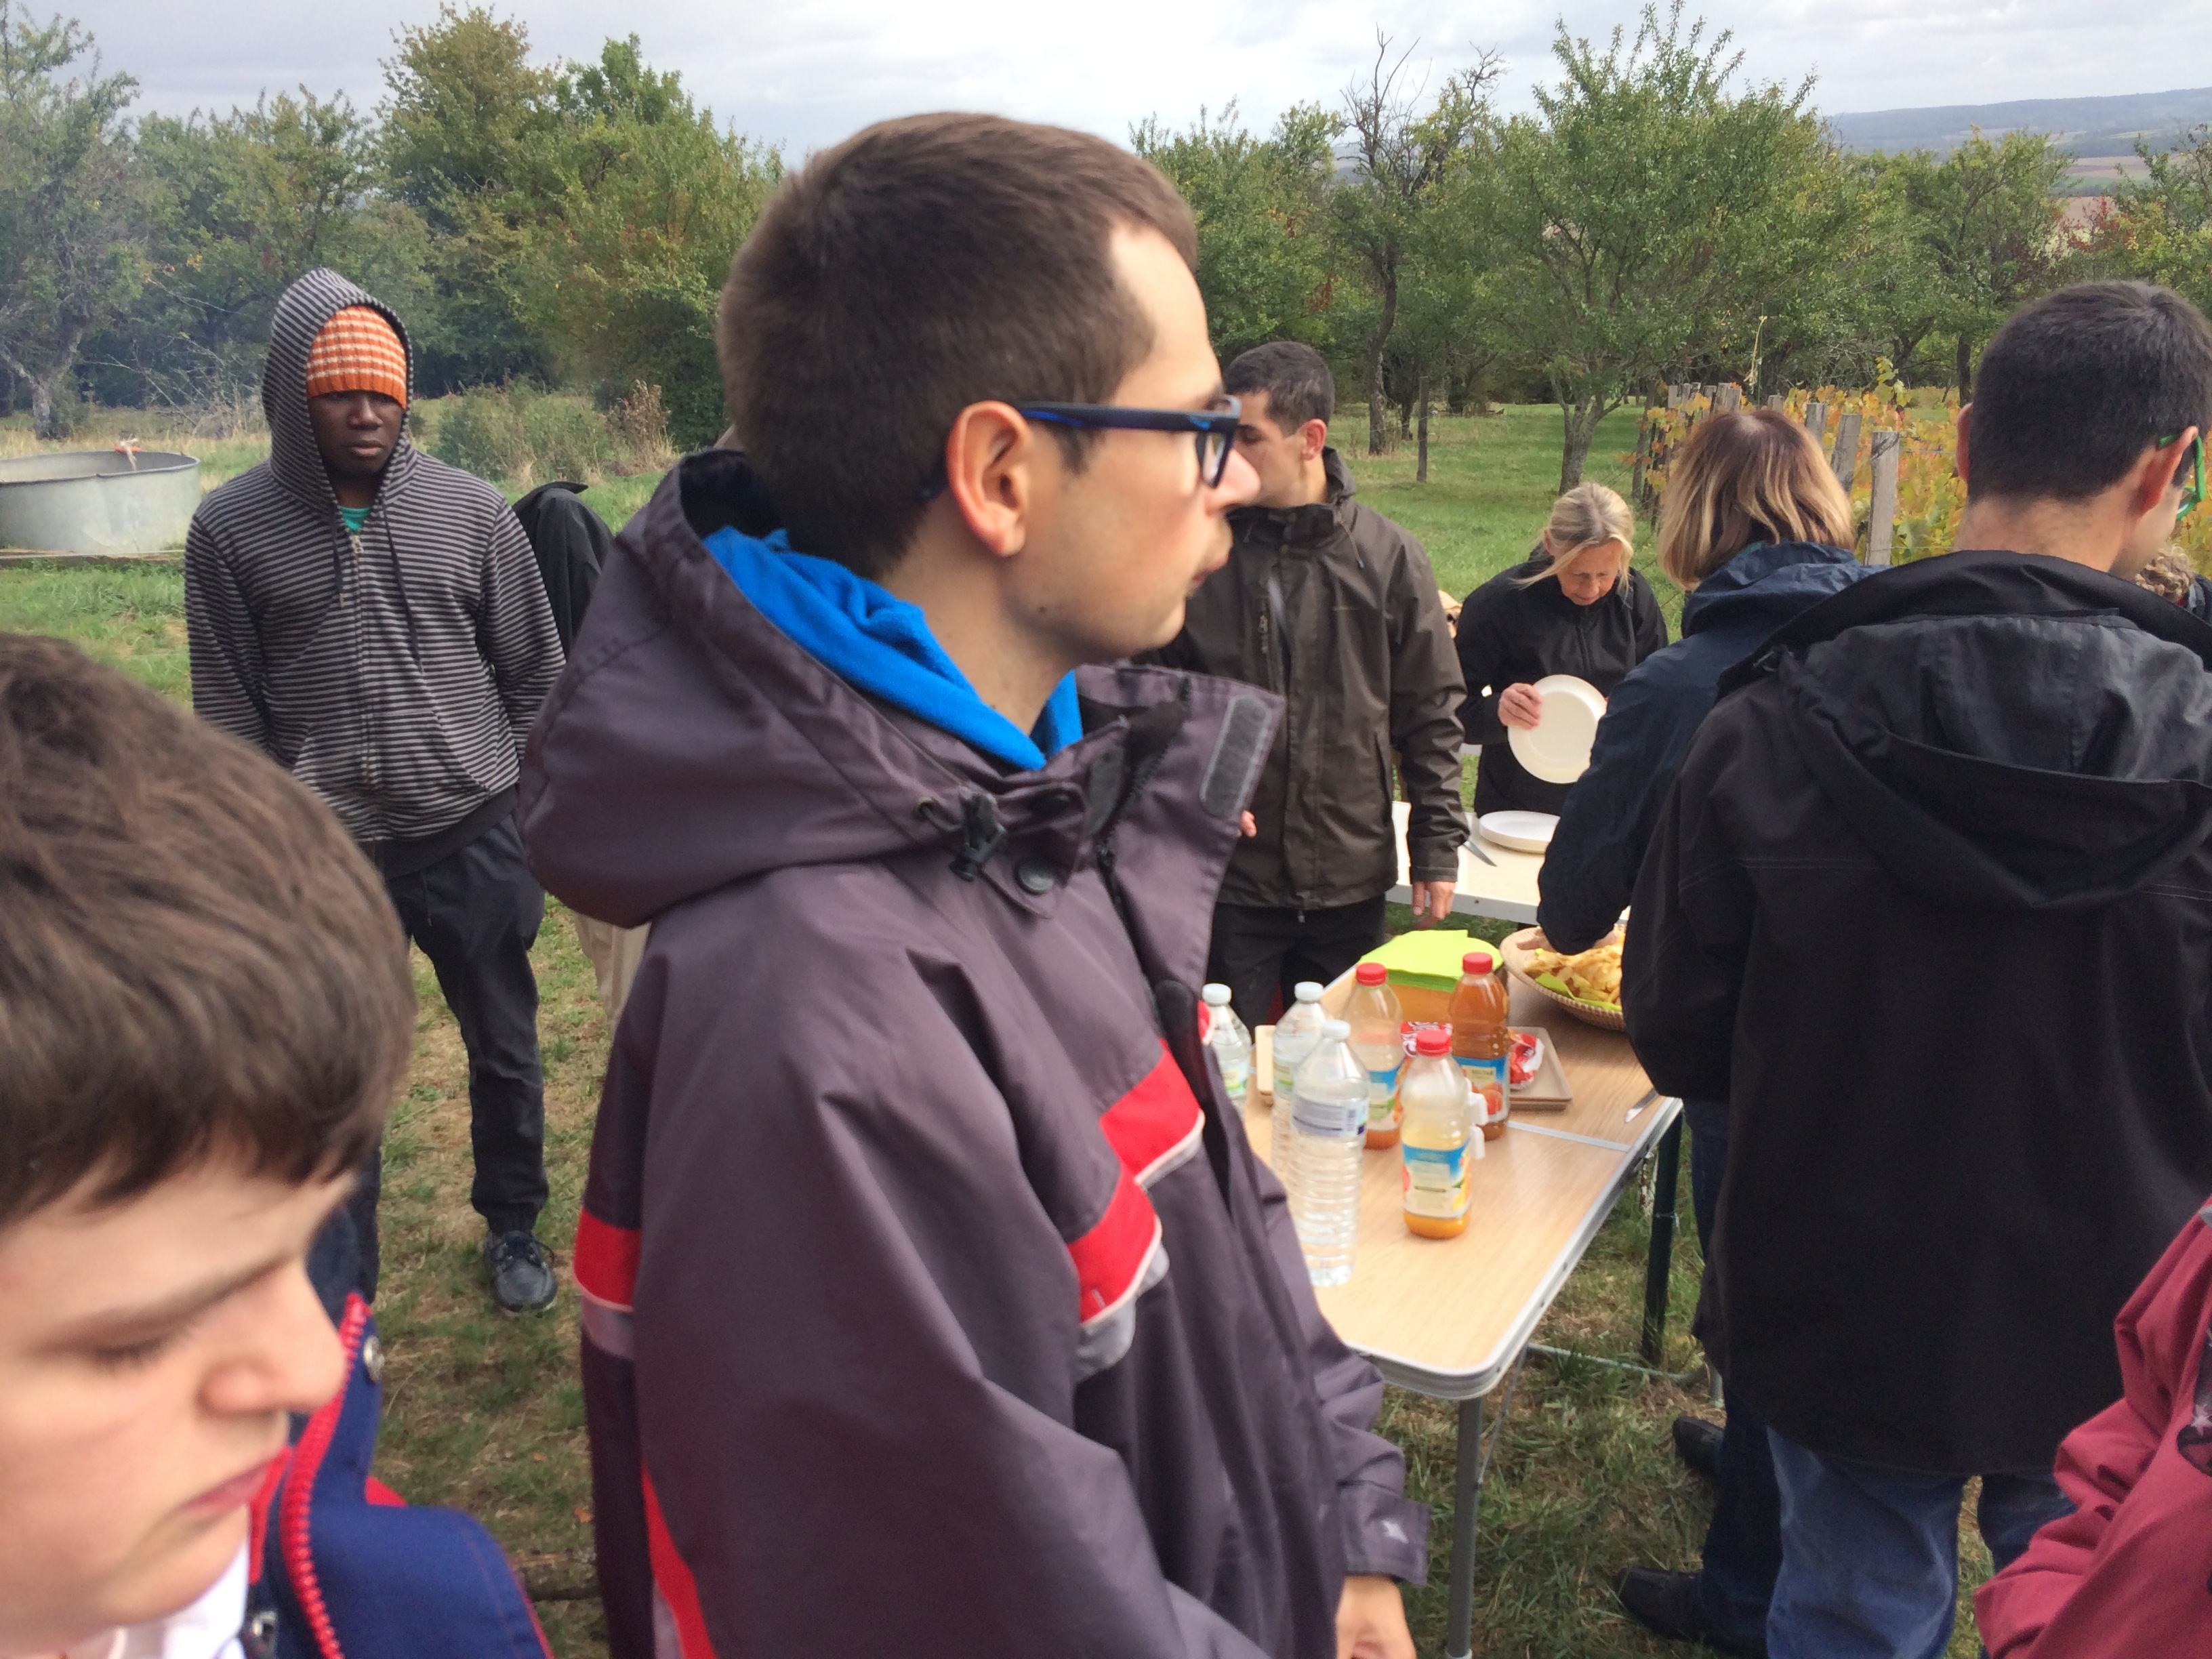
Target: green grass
{"points": [[484, 1412]]}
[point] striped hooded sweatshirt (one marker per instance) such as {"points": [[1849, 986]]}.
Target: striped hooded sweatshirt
{"points": [[396, 672], [934, 1302]]}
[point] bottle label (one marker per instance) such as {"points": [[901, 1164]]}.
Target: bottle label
{"points": [[1382, 1099], [1436, 1182], [1329, 1119], [1486, 1077], [1234, 1074]]}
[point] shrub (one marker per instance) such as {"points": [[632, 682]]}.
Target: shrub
{"points": [[522, 436]]}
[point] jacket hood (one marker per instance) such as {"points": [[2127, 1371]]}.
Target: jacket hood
{"points": [[301, 311], [2002, 729], [692, 743], [1767, 585]]}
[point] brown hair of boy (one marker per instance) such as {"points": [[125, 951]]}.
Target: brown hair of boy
{"points": [[1750, 475], [923, 265], [195, 959]]}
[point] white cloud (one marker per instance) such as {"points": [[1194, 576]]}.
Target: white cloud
{"points": [[806, 75]]}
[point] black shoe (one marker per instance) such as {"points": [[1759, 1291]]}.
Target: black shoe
{"points": [[521, 1277], [1698, 1442], [1668, 1602]]}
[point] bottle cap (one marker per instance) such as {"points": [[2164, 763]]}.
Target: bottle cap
{"points": [[1216, 995], [1475, 962], [1337, 1029], [1432, 1043], [1307, 990], [1372, 973]]}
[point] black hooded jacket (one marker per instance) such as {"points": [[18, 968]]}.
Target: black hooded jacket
{"points": [[1931, 906]]}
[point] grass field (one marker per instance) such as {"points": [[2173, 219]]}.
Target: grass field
{"points": [[484, 1413]]}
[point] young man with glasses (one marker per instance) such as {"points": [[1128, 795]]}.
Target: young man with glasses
{"points": [[1928, 909], [934, 1301], [1333, 608]]}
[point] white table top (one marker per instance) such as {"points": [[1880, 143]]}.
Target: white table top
{"points": [[1504, 887]]}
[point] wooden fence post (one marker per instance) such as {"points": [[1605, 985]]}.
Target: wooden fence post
{"points": [[1643, 456], [1846, 461], [1728, 397], [1675, 395], [1777, 399], [1881, 510], [1816, 422]]}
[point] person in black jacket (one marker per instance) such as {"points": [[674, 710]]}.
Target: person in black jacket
{"points": [[1930, 906], [1573, 606], [1750, 526]]}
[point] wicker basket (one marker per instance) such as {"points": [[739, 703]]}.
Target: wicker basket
{"points": [[1516, 948]]}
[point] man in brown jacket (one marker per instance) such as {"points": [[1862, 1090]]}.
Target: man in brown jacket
{"points": [[1333, 608]]}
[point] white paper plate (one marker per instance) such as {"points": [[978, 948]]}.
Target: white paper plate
{"points": [[1524, 832], [1558, 750]]}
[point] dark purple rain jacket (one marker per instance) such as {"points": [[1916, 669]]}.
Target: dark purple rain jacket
{"points": [[934, 1302]]}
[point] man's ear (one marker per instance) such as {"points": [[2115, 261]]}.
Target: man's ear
{"points": [[991, 457], [1312, 437], [1959, 458], [2152, 475]]}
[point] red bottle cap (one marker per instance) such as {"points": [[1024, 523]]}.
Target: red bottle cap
{"points": [[1475, 962], [1372, 973], [1432, 1043]]}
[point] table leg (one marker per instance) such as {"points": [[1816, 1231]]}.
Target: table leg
{"points": [[1666, 1178], [1466, 1501]]}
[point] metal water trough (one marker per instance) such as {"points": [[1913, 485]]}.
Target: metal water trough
{"points": [[98, 500]]}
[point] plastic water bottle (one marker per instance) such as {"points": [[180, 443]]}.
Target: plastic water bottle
{"points": [[1378, 1043], [1230, 1042], [1296, 1034], [1328, 1121]]}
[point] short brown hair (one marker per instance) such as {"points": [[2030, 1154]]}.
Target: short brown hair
{"points": [[1746, 476], [195, 959], [922, 266]]}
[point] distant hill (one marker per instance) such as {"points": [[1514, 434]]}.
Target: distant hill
{"points": [[2087, 126]]}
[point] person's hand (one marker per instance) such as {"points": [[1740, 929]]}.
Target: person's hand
{"points": [[1522, 706], [1371, 1619], [1248, 825], [1432, 901]]}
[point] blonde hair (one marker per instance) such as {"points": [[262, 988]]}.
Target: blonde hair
{"points": [[1588, 515], [1746, 476]]}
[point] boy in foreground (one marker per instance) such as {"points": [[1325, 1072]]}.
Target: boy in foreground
{"points": [[204, 1010], [934, 1302]]}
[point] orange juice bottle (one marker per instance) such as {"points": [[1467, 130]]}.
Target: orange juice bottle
{"points": [[1378, 1043], [1480, 1039], [1438, 1138]]}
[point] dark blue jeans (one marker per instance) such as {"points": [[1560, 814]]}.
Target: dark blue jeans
{"points": [[1870, 1555], [1743, 1544]]}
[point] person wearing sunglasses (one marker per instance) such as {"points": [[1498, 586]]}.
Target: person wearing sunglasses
{"points": [[932, 1300], [1926, 908], [1333, 608]]}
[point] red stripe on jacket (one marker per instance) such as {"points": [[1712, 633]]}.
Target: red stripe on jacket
{"points": [[606, 1260], [1154, 1120], [674, 1581]]}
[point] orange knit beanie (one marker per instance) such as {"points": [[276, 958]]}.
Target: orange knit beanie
{"points": [[357, 350]]}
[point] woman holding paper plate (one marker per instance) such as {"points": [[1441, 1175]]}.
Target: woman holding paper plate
{"points": [[1542, 646]]}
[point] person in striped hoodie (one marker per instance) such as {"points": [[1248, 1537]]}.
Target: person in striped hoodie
{"points": [[372, 619]]}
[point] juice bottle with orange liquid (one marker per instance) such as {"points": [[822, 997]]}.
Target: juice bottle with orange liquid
{"points": [[1439, 1139], [1480, 1039], [1378, 1043]]}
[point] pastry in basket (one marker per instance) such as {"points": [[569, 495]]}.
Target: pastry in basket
{"points": [[1593, 976]]}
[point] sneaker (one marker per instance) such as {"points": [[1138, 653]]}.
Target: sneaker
{"points": [[1669, 1604], [1698, 1442], [521, 1276]]}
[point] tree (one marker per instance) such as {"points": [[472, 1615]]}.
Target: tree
{"points": [[2160, 227], [1399, 157], [1264, 261], [640, 204], [1652, 216], [1986, 219], [463, 125], [69, 255]]}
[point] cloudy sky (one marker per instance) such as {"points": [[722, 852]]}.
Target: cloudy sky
{"points": [[805, 74]]}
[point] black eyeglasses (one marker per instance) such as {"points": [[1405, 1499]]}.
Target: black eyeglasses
{"points": [[1214, 429], [2192, 487]]}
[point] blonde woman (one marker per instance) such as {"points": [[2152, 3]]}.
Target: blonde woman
{"points": [[1573, 607], [1754, 525]]}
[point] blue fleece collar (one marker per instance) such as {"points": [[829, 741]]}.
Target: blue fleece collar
{"points": [[880, 643]]}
